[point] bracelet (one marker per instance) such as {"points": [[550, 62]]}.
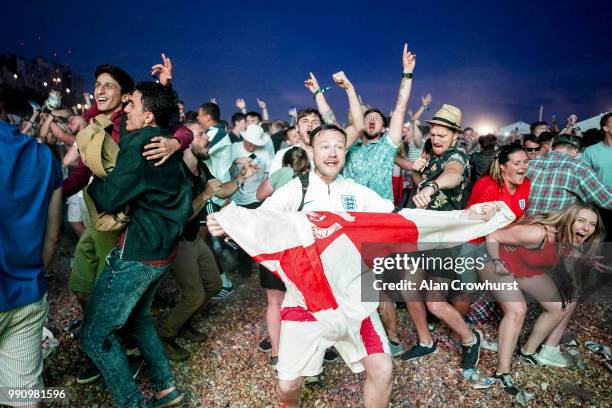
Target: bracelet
{"points": [[407, 75], [426, 107], [320, 90], [433, 185]]}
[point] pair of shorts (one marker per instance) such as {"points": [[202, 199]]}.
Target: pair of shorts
{"points": [[303, 345], [21, 358], [270, 281], [75, 213]]}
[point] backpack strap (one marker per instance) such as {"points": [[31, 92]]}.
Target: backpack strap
{"points": [[304, 180]]}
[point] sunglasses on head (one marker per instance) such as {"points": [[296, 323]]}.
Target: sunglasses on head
{"points": [[532, 149]]}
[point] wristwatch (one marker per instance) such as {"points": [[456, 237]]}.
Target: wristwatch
{"points": [[433, 185], [407, 75]]}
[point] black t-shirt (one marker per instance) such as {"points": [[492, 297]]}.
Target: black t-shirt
{"points": [[198, 185]]}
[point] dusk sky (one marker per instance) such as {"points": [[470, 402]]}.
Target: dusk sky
{"points": [[497, 61]]}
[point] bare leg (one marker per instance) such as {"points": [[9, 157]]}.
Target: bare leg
{"points": [[554, 338], [379, 380], [514, 315], [275, 299], [416, 307], [289, 391], [388, 316], [542, 287]]}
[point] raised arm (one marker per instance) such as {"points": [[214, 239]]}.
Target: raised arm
{"points": [[264, 110], [355, 130], [397, 119], [241, 104], [425, 102], [324, 109]]}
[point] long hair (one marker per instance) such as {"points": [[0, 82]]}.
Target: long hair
{"points": [[563, 221], [297, 159], [502, 157]]}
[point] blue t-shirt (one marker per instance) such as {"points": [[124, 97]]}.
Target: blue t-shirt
{"points": [[29, 173]]}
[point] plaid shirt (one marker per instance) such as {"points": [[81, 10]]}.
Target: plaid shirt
{"points": [[558, 180]]}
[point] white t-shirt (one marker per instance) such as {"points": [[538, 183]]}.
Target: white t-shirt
{"points": [[248, 193], [343, 194]]}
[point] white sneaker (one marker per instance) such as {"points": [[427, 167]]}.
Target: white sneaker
{"points": [[552, 356]]}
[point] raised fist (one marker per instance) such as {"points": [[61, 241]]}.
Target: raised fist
{"points": [[341, 80]]}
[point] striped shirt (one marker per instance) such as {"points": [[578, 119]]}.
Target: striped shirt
{"points": [[558, 180]]}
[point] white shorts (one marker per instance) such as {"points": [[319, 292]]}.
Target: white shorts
{"points": [[303, 344], [74, 208]]}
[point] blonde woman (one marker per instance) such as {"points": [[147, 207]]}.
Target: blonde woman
{"points": [[539, 243]]}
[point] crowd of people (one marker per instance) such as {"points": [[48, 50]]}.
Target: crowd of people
{"points": [[142, 179]]}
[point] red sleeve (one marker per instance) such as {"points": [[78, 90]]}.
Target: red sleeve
{"points": [[183, 135], [78, 180], [485, 189]]}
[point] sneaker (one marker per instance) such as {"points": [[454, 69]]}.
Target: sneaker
{"points": [[87, 373], [471, 354], [225, 292], [190, 333], [136, 362], [330, 356], [314, 379], [169, 400], [173, 350], [507, 382], [551, 356], [528, 358], [273, 362], [396, 348], [419, 351], [265, 345]]}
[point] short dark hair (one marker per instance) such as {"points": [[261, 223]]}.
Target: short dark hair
{"points": [[604, 119], [180, 103], [297, 159], [191, 117], [469, 128], [212, 109], [158, 100], [487, 141], [253, 113], [530, 138], [237, 117], [374, 110], [323, 127], [535, 125], [309, 111], [125, 81], [545, 137]]}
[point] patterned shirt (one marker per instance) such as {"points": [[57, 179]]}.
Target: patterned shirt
{"points": [[558, 180], [372, 165], [450, 198]]}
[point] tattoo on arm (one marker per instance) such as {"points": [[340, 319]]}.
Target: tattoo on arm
{"points": [[329, 117]]}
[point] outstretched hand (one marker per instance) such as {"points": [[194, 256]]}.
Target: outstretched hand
{"points": [[341, 80], [262, 104], [426, 100], [408, 60], [311, 83], [164, 70], [483, 212]]}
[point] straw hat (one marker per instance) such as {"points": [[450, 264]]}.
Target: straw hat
{"points": [[448, 116], [98, 149]]}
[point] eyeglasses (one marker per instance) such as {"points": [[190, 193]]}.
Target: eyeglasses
{"points": [[532, 149]]}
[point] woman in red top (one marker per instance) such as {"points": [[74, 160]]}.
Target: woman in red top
{"points": [[504, 181], [541, 241]]}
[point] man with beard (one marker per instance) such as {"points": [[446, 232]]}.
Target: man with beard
{"points": [[370, 158], [194, 268]]}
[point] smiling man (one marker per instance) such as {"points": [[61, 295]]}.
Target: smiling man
{"points": [[160, 203]]}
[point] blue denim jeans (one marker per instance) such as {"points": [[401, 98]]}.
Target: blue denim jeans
{"points": [[124, 291]]}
